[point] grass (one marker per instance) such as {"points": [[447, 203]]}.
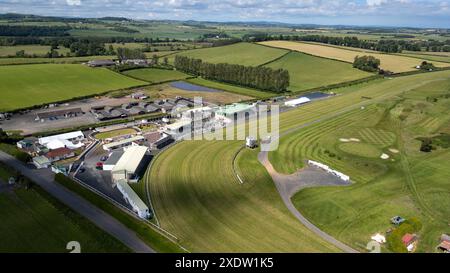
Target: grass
{"points": [[360, 149], [307, 71], [389, 62], [148, 234], [34, 222], [38, 50], [242, 53], [29, 85], [115, 133], [165, 91], [64, 60], [154, 75], [232, 88], [214, 213]]}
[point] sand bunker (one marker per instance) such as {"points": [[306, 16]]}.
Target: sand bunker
{"points": [[384, 156], [349, 140], [344, 140], [395, 151], [355, 139]]}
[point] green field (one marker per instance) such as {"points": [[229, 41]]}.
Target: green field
{"points": [[194, 180], [214, 213], [241, 53], [232, 88], [115, 133], [154, 75], [37, 50], [65, 60], [29, 85], [33, 222], [307, 71]]}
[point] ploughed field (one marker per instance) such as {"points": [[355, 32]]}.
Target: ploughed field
{"points": [[198, 198], [29, 85], [394, 63]]}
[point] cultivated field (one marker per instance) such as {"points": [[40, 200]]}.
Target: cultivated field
{"points": [[32, 224], [154, 75], [65, 60], [308, 71], [392, 63], [241, 53], [29, 85], [37, 50]]}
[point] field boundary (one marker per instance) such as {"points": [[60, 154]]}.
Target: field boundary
{"points": [[234, 164]]}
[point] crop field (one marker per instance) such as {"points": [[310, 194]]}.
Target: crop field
{"points": [[37, 50], [214, 213], [241, 53], [165, 91], [436, 57], [308, 71], [29, 85], [64, 60], [389, 62], [187, 185], [30, 223], [154, 75]]}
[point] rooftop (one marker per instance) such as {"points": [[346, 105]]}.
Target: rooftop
{"points": [[131, 195], [130, 159], [122, 142]]}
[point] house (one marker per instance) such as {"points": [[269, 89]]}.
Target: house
{"points": [[72, 140], [101, 63], [41, 162], [139, 96], [133, 199], [136, 62], [297, 102], [129, 164], [60, 154], [409, 240], [445, 243], [123, 143], [397, 220]]}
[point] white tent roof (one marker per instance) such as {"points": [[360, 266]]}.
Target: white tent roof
{"points": [[55, 144], [297, 101], [131, 159], [71, 135]]}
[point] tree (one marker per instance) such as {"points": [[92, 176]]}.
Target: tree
{"points": [[366, 63], [155, 59], [20, 53]]}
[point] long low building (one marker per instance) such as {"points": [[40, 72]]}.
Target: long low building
{"points": [[129, 164], [122, 143], [297, 102], [70, 140], [133, 199], [329, 170]]}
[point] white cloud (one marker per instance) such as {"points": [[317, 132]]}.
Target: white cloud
{"points": [[73, 2]]}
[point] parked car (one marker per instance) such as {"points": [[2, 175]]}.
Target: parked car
{"points": [[104, 158], [99, 166]]}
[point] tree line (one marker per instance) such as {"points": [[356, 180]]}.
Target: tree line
{"points": [[33, 31], [264, 78]]}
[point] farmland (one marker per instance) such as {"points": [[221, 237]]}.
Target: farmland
{"points": [[64, 60], [392, 63], [180, 180], [37, 50], [34, 222], [29, 85], [153, 75], [241, 53], [308, 71]]}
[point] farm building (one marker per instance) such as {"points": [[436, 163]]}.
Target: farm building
{"points": [[133, 199], [158, 140], [297, 102], [139, 96], [101, 63], [129, 165], [234, 109], [445, 243], [329, 170], [41, 162], [112, 160], [72, 140], [122, 143], [136, 62], [68, 113], [409, 240]]}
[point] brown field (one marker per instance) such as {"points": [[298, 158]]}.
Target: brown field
{"points": [[389, 62], [164, 91]]}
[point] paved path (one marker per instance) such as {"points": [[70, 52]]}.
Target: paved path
{"points": [[44, 178]]}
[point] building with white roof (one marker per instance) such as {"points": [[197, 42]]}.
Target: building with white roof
{"points": [[70, 140], [133, 199], [122, 143], [297, 102], [129, 164]]}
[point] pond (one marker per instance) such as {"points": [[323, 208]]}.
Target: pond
{"points": [[192, 87], [316, 95]]}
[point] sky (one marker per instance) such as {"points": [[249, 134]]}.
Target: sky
{"points": [[408, 13]]}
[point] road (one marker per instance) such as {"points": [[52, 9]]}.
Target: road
{"points": [[44, 178]]}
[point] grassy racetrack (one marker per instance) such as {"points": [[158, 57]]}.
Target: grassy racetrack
{"points": [[241, 53], [308, 71], [198, 198], [154, 75], [394, 63], [28, 85]]}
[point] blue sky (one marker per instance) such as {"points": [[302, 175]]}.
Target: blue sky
{"points": [[415, 13]]}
